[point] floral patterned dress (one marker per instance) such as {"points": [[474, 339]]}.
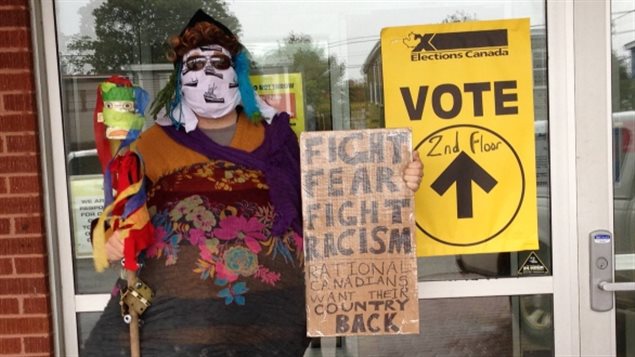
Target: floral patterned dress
{"points": [[225, 282]]}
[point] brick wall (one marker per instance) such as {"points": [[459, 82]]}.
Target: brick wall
{"points": [[25, 326]]}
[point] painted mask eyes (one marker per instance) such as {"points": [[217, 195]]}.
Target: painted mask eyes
{"points": [[218, 61], [120, 106]]}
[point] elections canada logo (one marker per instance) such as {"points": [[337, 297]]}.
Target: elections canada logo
{"points": [[457, 45]]}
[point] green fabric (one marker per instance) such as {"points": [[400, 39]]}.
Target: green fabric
{"points": [[112, 92], [123, 120]]}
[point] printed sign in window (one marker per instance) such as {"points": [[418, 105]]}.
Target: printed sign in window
{"points": [[87, 203], [284, 92], [466, 91]]}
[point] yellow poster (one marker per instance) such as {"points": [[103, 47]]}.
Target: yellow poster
{"points": [[466, 91], [284, 92]]}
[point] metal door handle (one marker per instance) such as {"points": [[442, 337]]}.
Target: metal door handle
{"points": [[601, 266], [608, 286]]}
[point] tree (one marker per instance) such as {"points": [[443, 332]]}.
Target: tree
{"points": [[134, 32], [459, 16], [623, 84], [321, 74]]}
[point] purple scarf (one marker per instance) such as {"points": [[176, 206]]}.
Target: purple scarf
{"points": [[278, 158]]}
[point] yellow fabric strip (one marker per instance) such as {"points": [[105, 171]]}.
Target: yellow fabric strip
{"points": [[100, 236]]}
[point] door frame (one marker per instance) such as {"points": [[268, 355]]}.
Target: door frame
{"points": [[562, 141], [594, 163], [565, 78]]}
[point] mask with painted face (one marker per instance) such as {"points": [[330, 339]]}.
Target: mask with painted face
{"points": [[208, 82]]}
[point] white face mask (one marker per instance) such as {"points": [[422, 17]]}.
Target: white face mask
{"points": [[208, 82]]}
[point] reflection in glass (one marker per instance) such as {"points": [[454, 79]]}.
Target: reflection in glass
{"points": [[337, 58], [335, 50], [488, 326], [85, 323], [623, 108]]}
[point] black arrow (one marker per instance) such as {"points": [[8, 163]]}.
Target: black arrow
{"points": [[463, 170]]}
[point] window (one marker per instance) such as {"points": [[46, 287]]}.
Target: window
{"points": [[330, 48]]}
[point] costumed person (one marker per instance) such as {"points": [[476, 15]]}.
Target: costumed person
{"points": [[226, 262]]}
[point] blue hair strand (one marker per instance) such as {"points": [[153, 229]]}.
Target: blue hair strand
{"points": [[242, 65]]}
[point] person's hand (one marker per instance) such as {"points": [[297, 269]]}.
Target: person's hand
{"points": [[413, 173], [114, 247]]}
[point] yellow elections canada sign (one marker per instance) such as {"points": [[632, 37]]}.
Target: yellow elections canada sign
{"points": [[466, 91]]}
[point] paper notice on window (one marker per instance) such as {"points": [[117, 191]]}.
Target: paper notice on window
{"points": [[360, 254], [87, 203]]}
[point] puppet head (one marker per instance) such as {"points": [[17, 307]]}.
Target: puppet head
{"points": [[118, 115]]}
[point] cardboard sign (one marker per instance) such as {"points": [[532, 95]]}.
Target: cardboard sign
{"points": [[466, 91], [284, 92], [361, 267]]}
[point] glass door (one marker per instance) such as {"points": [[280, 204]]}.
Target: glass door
{"points": [[605, 123], [469, 304], [622, 17]]}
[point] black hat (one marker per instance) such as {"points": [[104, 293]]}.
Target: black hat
{"points": [[201, 16]]}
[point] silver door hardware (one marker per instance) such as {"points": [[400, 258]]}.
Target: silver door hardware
{"points": [[601, 255], [602, 285], [606, 286]]}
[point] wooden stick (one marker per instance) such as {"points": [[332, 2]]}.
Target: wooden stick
{"points": [[135, 347]]}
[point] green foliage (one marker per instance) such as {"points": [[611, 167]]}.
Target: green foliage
{"points": [[134, 32], [320, 74], [164, 97], [364, 114], [459, 16], [623, 85]]}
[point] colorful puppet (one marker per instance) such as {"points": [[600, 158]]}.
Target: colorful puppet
{"points": [[120, 108], [118, 120]]}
